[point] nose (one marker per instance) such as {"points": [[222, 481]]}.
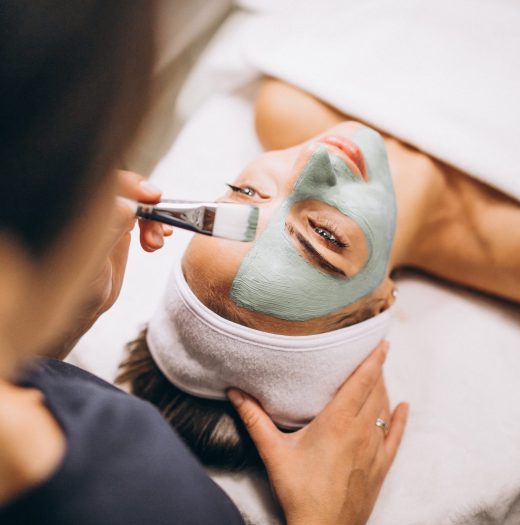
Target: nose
{"points": [[323, 171]]}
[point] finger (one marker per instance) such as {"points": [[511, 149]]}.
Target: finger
{"points": [[120, 222], [397, 426], [134, 186], [124, 216], [151, 235], [167, 230], [377, 404], [259, 425], [375, 407], [385, 414], [354, 392]]}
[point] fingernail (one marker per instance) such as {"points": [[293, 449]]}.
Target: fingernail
{"points": [[149, 188], [235, 397]]}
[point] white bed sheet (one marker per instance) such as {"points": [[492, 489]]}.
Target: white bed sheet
{"points": [[455, 355]]}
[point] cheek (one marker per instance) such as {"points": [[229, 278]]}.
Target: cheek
{"points": [[267, 211], [213, 260], [218, 260], [359, 251]]}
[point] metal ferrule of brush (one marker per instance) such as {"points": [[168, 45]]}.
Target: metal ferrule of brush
{"points": [[198, 217]]}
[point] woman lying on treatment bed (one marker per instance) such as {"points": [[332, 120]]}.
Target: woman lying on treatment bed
{"points": [[319, 269]]}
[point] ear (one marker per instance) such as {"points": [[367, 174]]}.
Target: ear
{"points": [[388, 293], [382, 297]]}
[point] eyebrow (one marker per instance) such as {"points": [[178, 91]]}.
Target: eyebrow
{"points": [[313, 253]]}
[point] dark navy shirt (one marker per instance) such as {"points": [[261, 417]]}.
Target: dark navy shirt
{"points": [[123, 464]]}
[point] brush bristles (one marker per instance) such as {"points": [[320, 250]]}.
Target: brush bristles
{"points": [[235, 221]]}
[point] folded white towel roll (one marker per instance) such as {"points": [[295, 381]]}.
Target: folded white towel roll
{"points": [[443, 76], [293, 377]]}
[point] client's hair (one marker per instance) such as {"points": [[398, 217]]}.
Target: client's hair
{"points": [[210, 428]]}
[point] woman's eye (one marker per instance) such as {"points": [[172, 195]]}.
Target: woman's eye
{"points": [[329, 237], [324, 233], [250, 192]]}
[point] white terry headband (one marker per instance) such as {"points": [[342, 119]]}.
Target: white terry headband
{"points": [[293, 377]]}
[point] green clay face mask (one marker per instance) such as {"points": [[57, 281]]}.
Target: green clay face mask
{"points": [[275, 279]]}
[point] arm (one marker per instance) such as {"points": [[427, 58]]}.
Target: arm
{"points": [[470, 236]]}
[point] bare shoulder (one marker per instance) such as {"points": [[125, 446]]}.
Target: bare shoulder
{"points": [[285, 115], [32, 443]]}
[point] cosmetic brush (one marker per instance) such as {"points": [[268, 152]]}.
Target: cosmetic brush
{"points": [[228, 220]]}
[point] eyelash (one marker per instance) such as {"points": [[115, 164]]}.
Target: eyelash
{"points": [[329, 234], [328, 231], [243, 191]]}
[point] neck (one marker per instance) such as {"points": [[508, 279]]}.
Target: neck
{"points": [[419, 185]]}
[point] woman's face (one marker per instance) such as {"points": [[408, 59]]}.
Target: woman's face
{"points": [[315, 237]]}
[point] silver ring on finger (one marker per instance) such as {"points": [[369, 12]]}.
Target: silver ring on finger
{"points": [[382, 424]]}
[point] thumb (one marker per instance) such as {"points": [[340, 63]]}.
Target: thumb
{"points": [[121, 222], [259, 425], [135, 187]]}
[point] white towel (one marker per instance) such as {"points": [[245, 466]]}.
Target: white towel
{"points": [[293, 377], [443, 76]]}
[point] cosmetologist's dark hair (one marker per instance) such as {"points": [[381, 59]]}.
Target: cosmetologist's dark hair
{"points": [[75, 78]]}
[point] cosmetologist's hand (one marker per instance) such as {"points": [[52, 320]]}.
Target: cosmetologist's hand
{"points": [[330, 472], [137, 188], [106, 283]]}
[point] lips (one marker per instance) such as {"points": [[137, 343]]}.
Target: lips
{"points": [[349, 149]]}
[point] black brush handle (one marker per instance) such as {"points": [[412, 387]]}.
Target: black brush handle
{"points": [[166, 219]]}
